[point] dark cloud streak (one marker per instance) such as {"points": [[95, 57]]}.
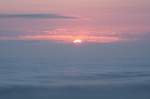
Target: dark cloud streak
{"points": [[37, 16]]}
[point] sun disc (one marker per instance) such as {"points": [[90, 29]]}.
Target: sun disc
{"points": [[77, 41]]}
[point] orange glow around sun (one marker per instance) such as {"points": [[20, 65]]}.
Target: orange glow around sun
{"points": [[77, 39], [69, 38]]}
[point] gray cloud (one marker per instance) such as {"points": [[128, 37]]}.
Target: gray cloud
{"points": [[37, 15]]}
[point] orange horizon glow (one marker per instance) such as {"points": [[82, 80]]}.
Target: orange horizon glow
{"points": [[68, 38]]}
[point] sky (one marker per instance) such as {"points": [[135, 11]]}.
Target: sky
{"points": [[98, 21]]}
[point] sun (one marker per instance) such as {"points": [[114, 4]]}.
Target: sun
{"points": [[77, 41]]}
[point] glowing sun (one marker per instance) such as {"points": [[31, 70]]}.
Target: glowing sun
{"points": [[77, 41]]}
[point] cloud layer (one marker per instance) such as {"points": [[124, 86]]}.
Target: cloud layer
{"points": [[37, 15], [64, 35]]}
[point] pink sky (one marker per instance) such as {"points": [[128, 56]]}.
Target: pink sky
{"points": [[93, 16]]}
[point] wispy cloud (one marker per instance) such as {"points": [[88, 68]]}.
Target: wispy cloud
{"points": [[65, 38], [37, 15], [65, 35]]}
